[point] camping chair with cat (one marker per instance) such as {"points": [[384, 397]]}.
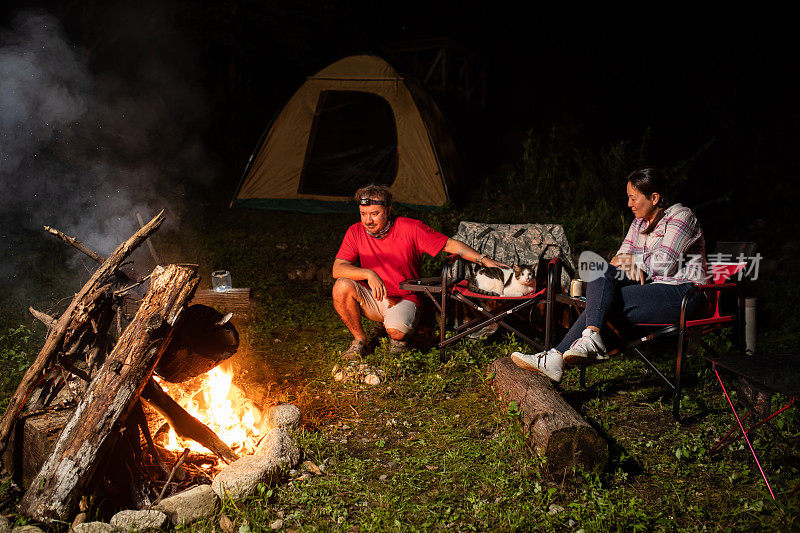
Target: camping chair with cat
{"points": [[479, 300]]}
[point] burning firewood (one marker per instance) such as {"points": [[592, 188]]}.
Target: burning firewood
{"points": [[55, 491], [185, 424], [96, 447], [55, 338]]}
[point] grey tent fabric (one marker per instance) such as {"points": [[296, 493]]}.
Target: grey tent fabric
{"points": [[515, 244]]}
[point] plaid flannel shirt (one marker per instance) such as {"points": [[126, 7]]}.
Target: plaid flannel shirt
{"points": [[674, 252]]}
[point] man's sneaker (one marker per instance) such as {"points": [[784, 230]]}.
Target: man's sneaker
{"points": [[549, 363], [354, 352], [588, 349], [397, 347]]}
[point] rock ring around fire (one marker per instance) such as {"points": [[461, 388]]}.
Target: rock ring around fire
{"points": [[285, 415]]}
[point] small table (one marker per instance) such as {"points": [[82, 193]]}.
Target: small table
{"points": [[768, 373]]}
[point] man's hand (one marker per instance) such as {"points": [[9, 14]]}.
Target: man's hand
{"points": [[376, 285], [453, 246], [488, 262]]}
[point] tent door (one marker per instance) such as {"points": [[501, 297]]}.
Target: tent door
{"points": [[353, 142]]}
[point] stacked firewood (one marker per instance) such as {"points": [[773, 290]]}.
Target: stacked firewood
{"points": [[104, 359]]}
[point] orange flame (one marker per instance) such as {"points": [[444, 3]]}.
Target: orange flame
{"points": [[223, 407]]}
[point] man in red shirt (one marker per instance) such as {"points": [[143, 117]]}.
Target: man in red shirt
{"points": [[388, 250]]}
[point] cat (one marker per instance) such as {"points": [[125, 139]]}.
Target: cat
{"points": [[516, 281]]}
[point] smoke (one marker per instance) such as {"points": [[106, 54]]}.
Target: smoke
{"points": [[84, 149]]}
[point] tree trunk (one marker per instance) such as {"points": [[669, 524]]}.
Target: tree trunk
{"points": [[101, 414], [555, 429]]}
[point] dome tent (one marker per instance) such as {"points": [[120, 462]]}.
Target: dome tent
{"points": [[355, 122]]}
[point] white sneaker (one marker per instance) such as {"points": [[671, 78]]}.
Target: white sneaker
{"points": [[549, 363], [588, 348]]}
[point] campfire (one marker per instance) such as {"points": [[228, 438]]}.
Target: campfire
{"points": [[215, 401], [129, 408]]}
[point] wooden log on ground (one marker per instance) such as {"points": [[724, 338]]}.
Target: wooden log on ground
{"points": [[237, 301], [32, 441], [554, 428], [101, 414], [55, 336]]}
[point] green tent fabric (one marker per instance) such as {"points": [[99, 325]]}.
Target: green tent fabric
{"points": [[355, 122]]}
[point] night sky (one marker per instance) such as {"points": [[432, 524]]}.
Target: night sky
{"points": [[598, 73]]}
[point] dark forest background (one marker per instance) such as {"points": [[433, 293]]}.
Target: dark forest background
{"points": [[712, 87]]}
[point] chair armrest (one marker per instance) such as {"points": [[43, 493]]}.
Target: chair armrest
{"points": [[706, 289], [557, 263], [717, 286], [459, 261]]}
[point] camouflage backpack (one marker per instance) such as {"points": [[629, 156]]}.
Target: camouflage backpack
{"points": [[514, 244]]}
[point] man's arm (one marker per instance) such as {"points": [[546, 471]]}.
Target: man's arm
{"points": [[467, 253], [346, 269]]}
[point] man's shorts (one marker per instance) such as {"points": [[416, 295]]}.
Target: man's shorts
{"points": [[400, 316]]}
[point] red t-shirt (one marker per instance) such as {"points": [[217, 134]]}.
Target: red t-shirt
{"points": [[397, 256]]}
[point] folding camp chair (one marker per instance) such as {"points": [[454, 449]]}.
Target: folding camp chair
{"points": [[764, 376], [534, 244], [718, 313]]}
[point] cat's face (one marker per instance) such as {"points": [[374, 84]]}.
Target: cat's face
{"points": [[374, 217], [524, 274]]}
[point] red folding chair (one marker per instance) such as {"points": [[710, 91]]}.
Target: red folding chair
{"points": [[719, 313], [457, 297]]}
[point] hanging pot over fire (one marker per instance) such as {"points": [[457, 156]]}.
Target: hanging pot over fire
{"points": [[202, 339]]}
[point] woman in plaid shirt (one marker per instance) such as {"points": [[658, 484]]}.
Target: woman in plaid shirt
{"points": [[662, 256]]}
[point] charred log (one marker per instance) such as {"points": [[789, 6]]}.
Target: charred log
{"points": [[184, 424], [202, 339]]}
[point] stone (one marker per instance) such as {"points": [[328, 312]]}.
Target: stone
{"points": [[372, 379], [146, 520], [277, 524], [311, 467], [27, 529], [279, 447], [190, 505], [5, 525], [555, 509], [285, 415], [240, 478], [93, 527], [226, 524]]}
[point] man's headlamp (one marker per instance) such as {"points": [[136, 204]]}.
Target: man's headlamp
{"points": [[370, 201]]}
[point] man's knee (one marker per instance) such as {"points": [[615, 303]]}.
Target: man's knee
{"points": [[396, 334], [343, 289]]}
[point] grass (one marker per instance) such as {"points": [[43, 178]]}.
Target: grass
{"points": [[432, 447]]}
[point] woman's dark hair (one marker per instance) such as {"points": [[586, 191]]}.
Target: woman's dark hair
{"points": [[650, 180]]}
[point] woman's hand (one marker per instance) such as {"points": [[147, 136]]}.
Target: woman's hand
{"points": [[620, 260], [626, 263], [376, 285]]}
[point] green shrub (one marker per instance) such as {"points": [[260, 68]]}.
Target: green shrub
{"points": [[15, 347]]}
